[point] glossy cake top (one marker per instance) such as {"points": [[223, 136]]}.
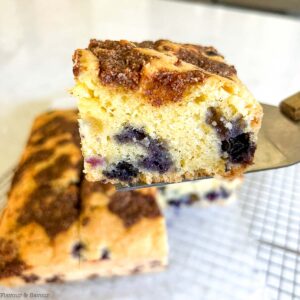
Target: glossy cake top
{"points": [[162, 70]]}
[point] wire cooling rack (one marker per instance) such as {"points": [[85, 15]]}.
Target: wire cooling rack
{"points": [[248, 250], [270, 204]]}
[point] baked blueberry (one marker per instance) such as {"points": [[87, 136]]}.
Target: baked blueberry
{"points": [[77, 249], [105, 254], [157, 157], [123, 171], [240, 149], [237, 146]]}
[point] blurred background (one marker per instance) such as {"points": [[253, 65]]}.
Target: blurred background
{"points": [[235, 253]]}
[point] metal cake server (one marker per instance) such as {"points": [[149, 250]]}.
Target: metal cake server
{"points": [[278, 145]]}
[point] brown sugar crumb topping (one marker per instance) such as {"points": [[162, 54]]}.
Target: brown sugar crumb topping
{"points": [[147, 44], [34, 158], [119, 58], [165, 46], [76, 65], [170, 86], [8, 250], [120, 62], [53, 209], [12, 268], [56, 169], [132, 206], [198, 59], [10, 264], [56, 126]]}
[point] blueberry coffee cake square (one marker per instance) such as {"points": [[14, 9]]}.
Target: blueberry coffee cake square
{"points": [[162, 112]]}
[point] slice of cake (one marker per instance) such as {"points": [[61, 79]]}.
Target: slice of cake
{"points": [[56, 227], [201, 193], [162, 112]]}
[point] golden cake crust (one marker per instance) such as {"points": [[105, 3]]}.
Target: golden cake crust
{"points": [[161, 71]]}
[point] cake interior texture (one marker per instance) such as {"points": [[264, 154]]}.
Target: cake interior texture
{"points": [[162, 112], [58, 227]]}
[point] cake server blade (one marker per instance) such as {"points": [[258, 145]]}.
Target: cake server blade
{"points": [[278, 146]]}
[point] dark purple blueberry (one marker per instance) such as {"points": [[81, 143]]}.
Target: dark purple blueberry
{"points": [[130, 135], [174, 202], [185, 200], [105, 254], [212, 196], [95, 161], [234, 142], [77, 249], [240, 149], [123, 171], [158, 158], [224, 193], [159, 163]]}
